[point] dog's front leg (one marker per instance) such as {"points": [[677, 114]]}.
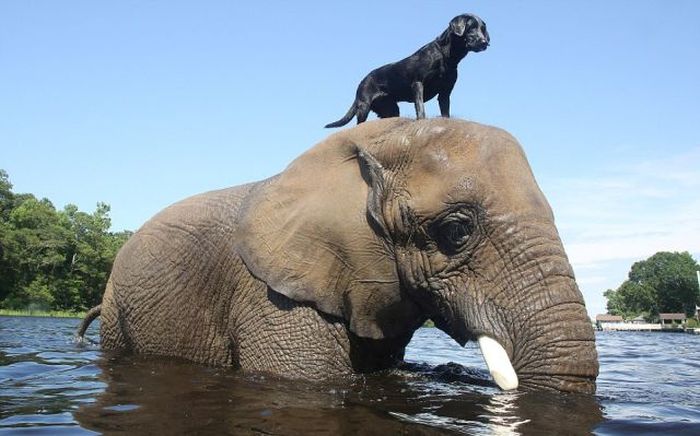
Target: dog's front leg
{"points": [[418, 99], [444, 95]]}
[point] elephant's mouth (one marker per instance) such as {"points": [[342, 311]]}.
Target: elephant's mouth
{"points": [[577, 375], [496, 357], [551, 348]]}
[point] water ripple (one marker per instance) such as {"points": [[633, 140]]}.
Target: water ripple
{"points": [[648, 383]]}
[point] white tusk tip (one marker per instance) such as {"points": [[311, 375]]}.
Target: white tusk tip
{"points": [[498, 362]]}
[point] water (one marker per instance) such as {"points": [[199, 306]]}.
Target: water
{"points": [[649, 383]]}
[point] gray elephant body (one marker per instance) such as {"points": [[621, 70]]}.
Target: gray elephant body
{"points": [[328, 268], [178, 288]]}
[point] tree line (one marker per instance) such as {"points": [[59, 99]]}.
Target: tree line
{"points": [[53, 259], [664, 283]]}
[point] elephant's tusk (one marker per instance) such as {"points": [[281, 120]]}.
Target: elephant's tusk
{"points": [[499, 363]]}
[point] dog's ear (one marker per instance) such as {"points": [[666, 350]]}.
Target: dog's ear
{"points": [[458, 25]]}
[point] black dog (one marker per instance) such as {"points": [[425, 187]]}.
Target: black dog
{"points": [[430, 71]]}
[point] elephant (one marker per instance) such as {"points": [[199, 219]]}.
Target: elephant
{"points": [[328, 268]]}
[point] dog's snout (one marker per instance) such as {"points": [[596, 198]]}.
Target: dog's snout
{"points": [[481, 41]]}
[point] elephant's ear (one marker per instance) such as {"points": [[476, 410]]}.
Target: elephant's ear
{"points": [[316, 234]]}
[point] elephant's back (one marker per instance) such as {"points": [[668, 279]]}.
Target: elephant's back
{"points": [[187, 226], [218, 207]]}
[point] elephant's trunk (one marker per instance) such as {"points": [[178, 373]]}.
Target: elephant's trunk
{"points": [[553, 343], [545, 330], [561, 357], [560, 353]]}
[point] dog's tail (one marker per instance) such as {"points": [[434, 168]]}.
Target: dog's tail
{"points": [[346, 119], [89, 317]]}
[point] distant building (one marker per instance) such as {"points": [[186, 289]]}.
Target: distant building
{"points": [[668, 319], [603, 322], [637, 320]]}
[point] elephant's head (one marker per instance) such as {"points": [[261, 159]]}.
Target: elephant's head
{"points": [[396, 221]]}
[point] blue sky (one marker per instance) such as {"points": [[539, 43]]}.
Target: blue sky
{"points": [[142, 103]]}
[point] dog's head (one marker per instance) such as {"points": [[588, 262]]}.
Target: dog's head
{"points": [[471, 30]]}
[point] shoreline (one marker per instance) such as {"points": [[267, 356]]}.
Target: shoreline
{"points": [[42, 313]]}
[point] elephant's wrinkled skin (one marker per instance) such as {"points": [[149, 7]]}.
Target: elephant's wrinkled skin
{"points": [[329, 267]]}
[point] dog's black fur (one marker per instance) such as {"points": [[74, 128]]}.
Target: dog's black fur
{"points": [[430, 71]]}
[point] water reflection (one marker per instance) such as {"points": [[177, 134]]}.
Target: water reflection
{"points": [[649, 383], [158, 396], [148, 395]]}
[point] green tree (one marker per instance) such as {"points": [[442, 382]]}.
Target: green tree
{"points": [[51, 259], [37, 295], [673, 276], [7, 272], [631, 299], [665, 282], [6, 196], [34, 244], [91, 253]]}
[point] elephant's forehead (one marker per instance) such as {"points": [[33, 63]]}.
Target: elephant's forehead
{"points": [[466, 162]]}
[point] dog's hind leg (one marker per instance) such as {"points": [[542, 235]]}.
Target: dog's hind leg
{"points": [[385, 108], [362, 111]]}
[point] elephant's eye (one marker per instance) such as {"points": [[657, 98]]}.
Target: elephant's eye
{"points": [[455, 233]]}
